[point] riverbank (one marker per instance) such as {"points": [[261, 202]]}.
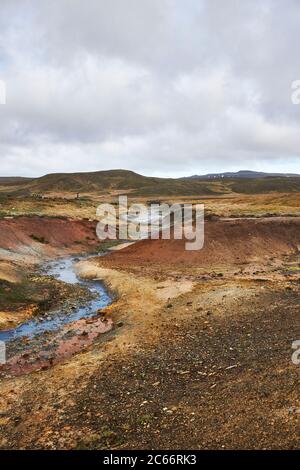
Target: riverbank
{"points": [[26, 243], [67, 325], [33, 297]]}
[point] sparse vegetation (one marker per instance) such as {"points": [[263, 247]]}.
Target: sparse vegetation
{"points": [[39, 239], [106, 245], [103, 182], [33, 290]]}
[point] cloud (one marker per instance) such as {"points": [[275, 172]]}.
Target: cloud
{"points": [[162, 87]]}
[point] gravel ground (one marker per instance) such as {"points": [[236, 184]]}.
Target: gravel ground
{"points": [[216, 379]]}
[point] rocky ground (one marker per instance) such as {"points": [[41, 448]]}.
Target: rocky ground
{"points": [[198, 358], [210, 382], [35, 296]]}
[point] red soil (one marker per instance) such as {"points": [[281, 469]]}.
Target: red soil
{"points": [[46, 235], [234, 241], [58, 348]]}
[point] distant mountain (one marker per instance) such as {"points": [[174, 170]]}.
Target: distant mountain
{"points": [[124, 181], [242, 174], [111, 181]]}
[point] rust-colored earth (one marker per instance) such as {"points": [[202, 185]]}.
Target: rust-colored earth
{"points": [[200, 356], [228, 242], [44, 236]]}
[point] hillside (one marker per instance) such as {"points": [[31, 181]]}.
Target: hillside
{"points": [[13, 180], [266, 185], [91, 181], [114, 180], [102, 182]]}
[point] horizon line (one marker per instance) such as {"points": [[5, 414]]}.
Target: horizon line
{"points": [[279, 173]]}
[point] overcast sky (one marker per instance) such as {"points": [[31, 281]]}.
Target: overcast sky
{"points": [[162, 87]]}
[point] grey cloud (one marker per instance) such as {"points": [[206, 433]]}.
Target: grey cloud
{"points": [[158, 86]]}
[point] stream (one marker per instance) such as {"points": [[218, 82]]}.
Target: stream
{"points": [[62, 270]]}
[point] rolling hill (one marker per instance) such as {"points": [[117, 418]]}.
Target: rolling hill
{"points": [[113, 180], [243, 182], [13, 180]]}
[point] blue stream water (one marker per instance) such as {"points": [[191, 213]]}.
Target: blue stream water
{"points": [[62, 270]]}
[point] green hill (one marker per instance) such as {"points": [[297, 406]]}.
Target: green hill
{"points": [[13, 180], [266, 185], [139, 185], [118, 180]]}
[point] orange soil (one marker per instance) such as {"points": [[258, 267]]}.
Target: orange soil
{"points": [[228, 241], [46, 236]]}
